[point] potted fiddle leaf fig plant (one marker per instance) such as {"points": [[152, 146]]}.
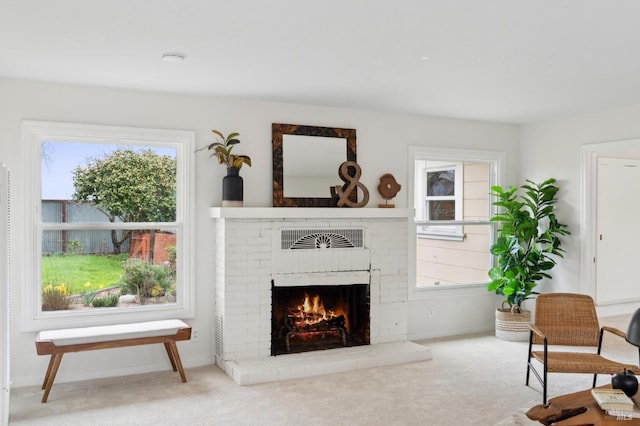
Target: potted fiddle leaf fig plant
{"points": [[526, 249], [232, 183]]}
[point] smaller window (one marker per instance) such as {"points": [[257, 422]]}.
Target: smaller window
{"points": [[443, 258], [441, 194]]}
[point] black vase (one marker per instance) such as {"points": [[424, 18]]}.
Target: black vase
{"points": [[626, 382], [232, 188]]}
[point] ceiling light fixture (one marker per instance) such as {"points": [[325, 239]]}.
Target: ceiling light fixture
{"points": [[173, 57]]}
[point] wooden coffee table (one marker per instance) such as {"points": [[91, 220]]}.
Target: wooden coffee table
{"points": [[593, 416]]}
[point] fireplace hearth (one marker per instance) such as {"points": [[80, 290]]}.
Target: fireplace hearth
{"points": [[323, 252], [317, 317]]}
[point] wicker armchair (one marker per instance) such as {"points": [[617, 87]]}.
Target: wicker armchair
{"points": [[566, 319]]}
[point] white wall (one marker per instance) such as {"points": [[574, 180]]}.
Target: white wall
{"points": [[553, 149], [382, 148]]}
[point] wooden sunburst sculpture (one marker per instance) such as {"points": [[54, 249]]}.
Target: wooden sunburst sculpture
{"points": [[388, 188]]}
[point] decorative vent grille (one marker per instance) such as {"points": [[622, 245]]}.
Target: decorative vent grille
{"points": [[218, 335], [311, 239]]}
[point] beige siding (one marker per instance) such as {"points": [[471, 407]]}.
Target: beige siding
{"points": [[448, 262], [475, 209], [462, 274], [478, 172]]}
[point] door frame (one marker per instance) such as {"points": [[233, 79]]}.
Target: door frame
{"points": [[589, 184]]}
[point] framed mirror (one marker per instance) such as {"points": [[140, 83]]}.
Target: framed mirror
{"points": [[306, 160]]}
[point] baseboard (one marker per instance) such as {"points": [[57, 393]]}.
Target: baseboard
{"points": [[76, 376], [617, 309]]}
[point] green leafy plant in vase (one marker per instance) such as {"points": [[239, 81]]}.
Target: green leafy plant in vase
{"points": [[222, 148], [526, 248], [232, 184]]}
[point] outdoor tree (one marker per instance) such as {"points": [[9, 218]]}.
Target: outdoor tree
{"points": [[132, 186]]}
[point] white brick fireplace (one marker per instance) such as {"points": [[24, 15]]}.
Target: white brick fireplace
{"points": [[251, 257]]}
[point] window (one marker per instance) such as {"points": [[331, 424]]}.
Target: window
{"points": [[111, 230], [451, 196], [440, 197]]}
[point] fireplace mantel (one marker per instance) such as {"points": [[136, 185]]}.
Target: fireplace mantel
{"points": [[307, 213]]}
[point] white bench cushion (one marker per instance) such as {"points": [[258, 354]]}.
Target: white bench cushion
{"points": [[106, 333]]}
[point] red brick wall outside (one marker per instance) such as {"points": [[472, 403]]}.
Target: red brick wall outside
{"points": [[140, 246]]}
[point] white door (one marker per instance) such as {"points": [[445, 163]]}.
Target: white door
{"points": [[618, 230], [4, 294]]}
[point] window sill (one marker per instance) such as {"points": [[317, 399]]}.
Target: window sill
{"points": [[104, 316], [417, 293], [450, 237]]}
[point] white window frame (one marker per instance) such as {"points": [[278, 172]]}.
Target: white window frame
{"points": [[497, 161], [449, 232], [34, 133]]}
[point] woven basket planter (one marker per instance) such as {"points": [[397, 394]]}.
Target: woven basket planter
{"points": [[512, 325]]}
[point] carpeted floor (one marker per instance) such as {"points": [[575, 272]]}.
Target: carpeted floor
{"points": [[475, 380]]}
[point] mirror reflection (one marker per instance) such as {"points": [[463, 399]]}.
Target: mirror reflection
{"points": [[299, 179]]}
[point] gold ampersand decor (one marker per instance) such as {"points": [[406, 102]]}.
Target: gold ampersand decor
{"points": [[354, 182]]}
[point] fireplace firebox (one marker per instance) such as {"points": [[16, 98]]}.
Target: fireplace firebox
{"points": [[317, 317]]}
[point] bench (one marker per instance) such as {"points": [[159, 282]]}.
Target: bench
{"points": [[58, 342]]}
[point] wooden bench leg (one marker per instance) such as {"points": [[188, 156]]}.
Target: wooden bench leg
{"points": [[172, 350], [52, 370], [170, 355], [46, 376]]}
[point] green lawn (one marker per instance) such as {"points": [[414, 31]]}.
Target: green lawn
{"points": [[75, 271]]}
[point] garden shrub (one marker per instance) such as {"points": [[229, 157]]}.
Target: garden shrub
{"points": [[106, 302], [54, 298], [74, 247], [171, 255], [140, 277]]}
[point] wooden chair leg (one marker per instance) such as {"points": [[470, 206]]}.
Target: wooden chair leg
{"points": [[54, 364], [170, 355], [173, 348]]}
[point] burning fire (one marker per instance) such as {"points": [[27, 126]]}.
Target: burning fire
{"points": [[312, 311], [316, 308]]}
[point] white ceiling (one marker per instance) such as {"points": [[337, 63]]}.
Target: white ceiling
{"points": [[511, 61]]}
